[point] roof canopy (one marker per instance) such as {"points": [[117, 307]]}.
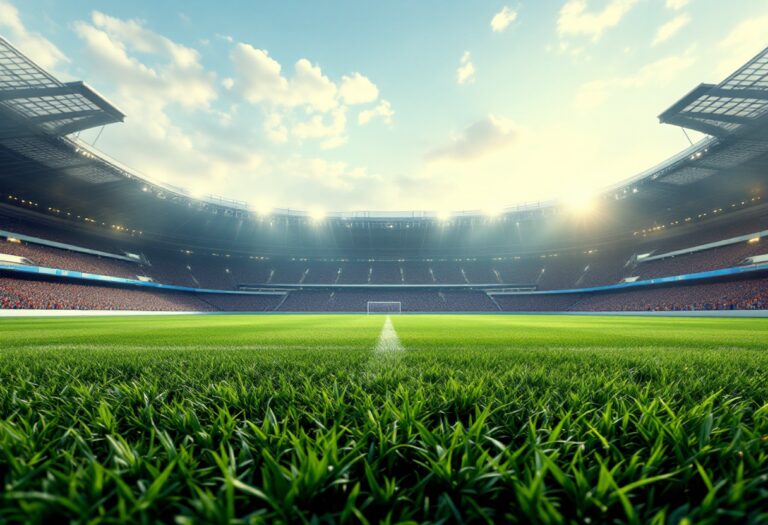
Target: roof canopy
{"points": [[37, 102], [731, 106]]}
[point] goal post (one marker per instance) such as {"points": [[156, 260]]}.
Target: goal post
{"points": [[384, 307]]}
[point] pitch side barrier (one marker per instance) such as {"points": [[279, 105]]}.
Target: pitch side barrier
{"points": [[282, 289]]}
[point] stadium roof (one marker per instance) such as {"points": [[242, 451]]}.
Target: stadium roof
{"points": [[739, 101], [41, 103]]}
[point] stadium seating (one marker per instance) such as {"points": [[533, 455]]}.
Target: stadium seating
{"points": [[411, 301], [68, 260], [573, 269], [537, 303], [724, 257], [734, 295], [241, 303], [47, 295]]}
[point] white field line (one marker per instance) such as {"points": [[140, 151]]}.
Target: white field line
{"points": [[388, 340]]}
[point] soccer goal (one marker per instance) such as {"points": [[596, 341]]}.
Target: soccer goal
{"points": [[384, 307]]}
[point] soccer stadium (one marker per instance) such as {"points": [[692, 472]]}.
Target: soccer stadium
{"points": [[168, 356]]}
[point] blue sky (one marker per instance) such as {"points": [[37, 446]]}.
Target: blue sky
{"points": [[434, 105]]}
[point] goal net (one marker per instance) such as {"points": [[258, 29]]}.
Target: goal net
{"points": [[384, 307]]}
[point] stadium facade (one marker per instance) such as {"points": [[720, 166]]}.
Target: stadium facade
{"points": [[79, 230]]}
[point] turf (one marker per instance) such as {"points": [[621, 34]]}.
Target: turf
{"points": [[248, 419]]}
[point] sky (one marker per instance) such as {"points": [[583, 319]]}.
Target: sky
{"points": [[432, 105]]}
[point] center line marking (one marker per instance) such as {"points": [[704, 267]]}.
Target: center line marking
{"points": [[388, 339]]}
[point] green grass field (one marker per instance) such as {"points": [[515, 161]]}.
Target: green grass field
{"points": [[306, 419]]}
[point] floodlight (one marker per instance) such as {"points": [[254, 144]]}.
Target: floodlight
{"points": [[493, 212], [196, 193], [580, 203], [443, 215], [262, 209], [316, 215]]}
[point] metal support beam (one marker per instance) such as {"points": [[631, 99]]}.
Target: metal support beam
{"points": [[682, 121], [730, 119], [21, 93], [53, 117], [758, 94], [83, 124]]}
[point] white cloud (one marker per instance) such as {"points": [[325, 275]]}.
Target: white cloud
{"points": [[657, 73], [334, 142], [172, 133], [179, 131], [275, 129], [358, 89], [527, 164], [176, 78], [260, 79], [671, 28], [312, 88], [334, 173], [322, 126], [383, 111], [503, 19], [465, 74], [330, 184], [576, 20], [479, 139], [259, 75], [34, 45], [133, 33], [676, 5], [745, 41]]}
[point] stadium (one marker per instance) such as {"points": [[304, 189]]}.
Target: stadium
{"points": [[593, 363]]}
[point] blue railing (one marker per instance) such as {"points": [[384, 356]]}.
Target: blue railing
{"points": [[283, 288]]}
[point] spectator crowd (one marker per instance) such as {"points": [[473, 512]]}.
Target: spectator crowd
{"points": [[577, 269]]}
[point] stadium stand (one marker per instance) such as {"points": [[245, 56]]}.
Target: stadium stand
{"points": [[242, 303], [47, 295], [174, 269], [62, 231], [68, 260], [705, 232], [537, 303], [605, 267], [320, 272], [411, 301], [724, 257], [563, 272], [418, 272], [738, 295]]}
